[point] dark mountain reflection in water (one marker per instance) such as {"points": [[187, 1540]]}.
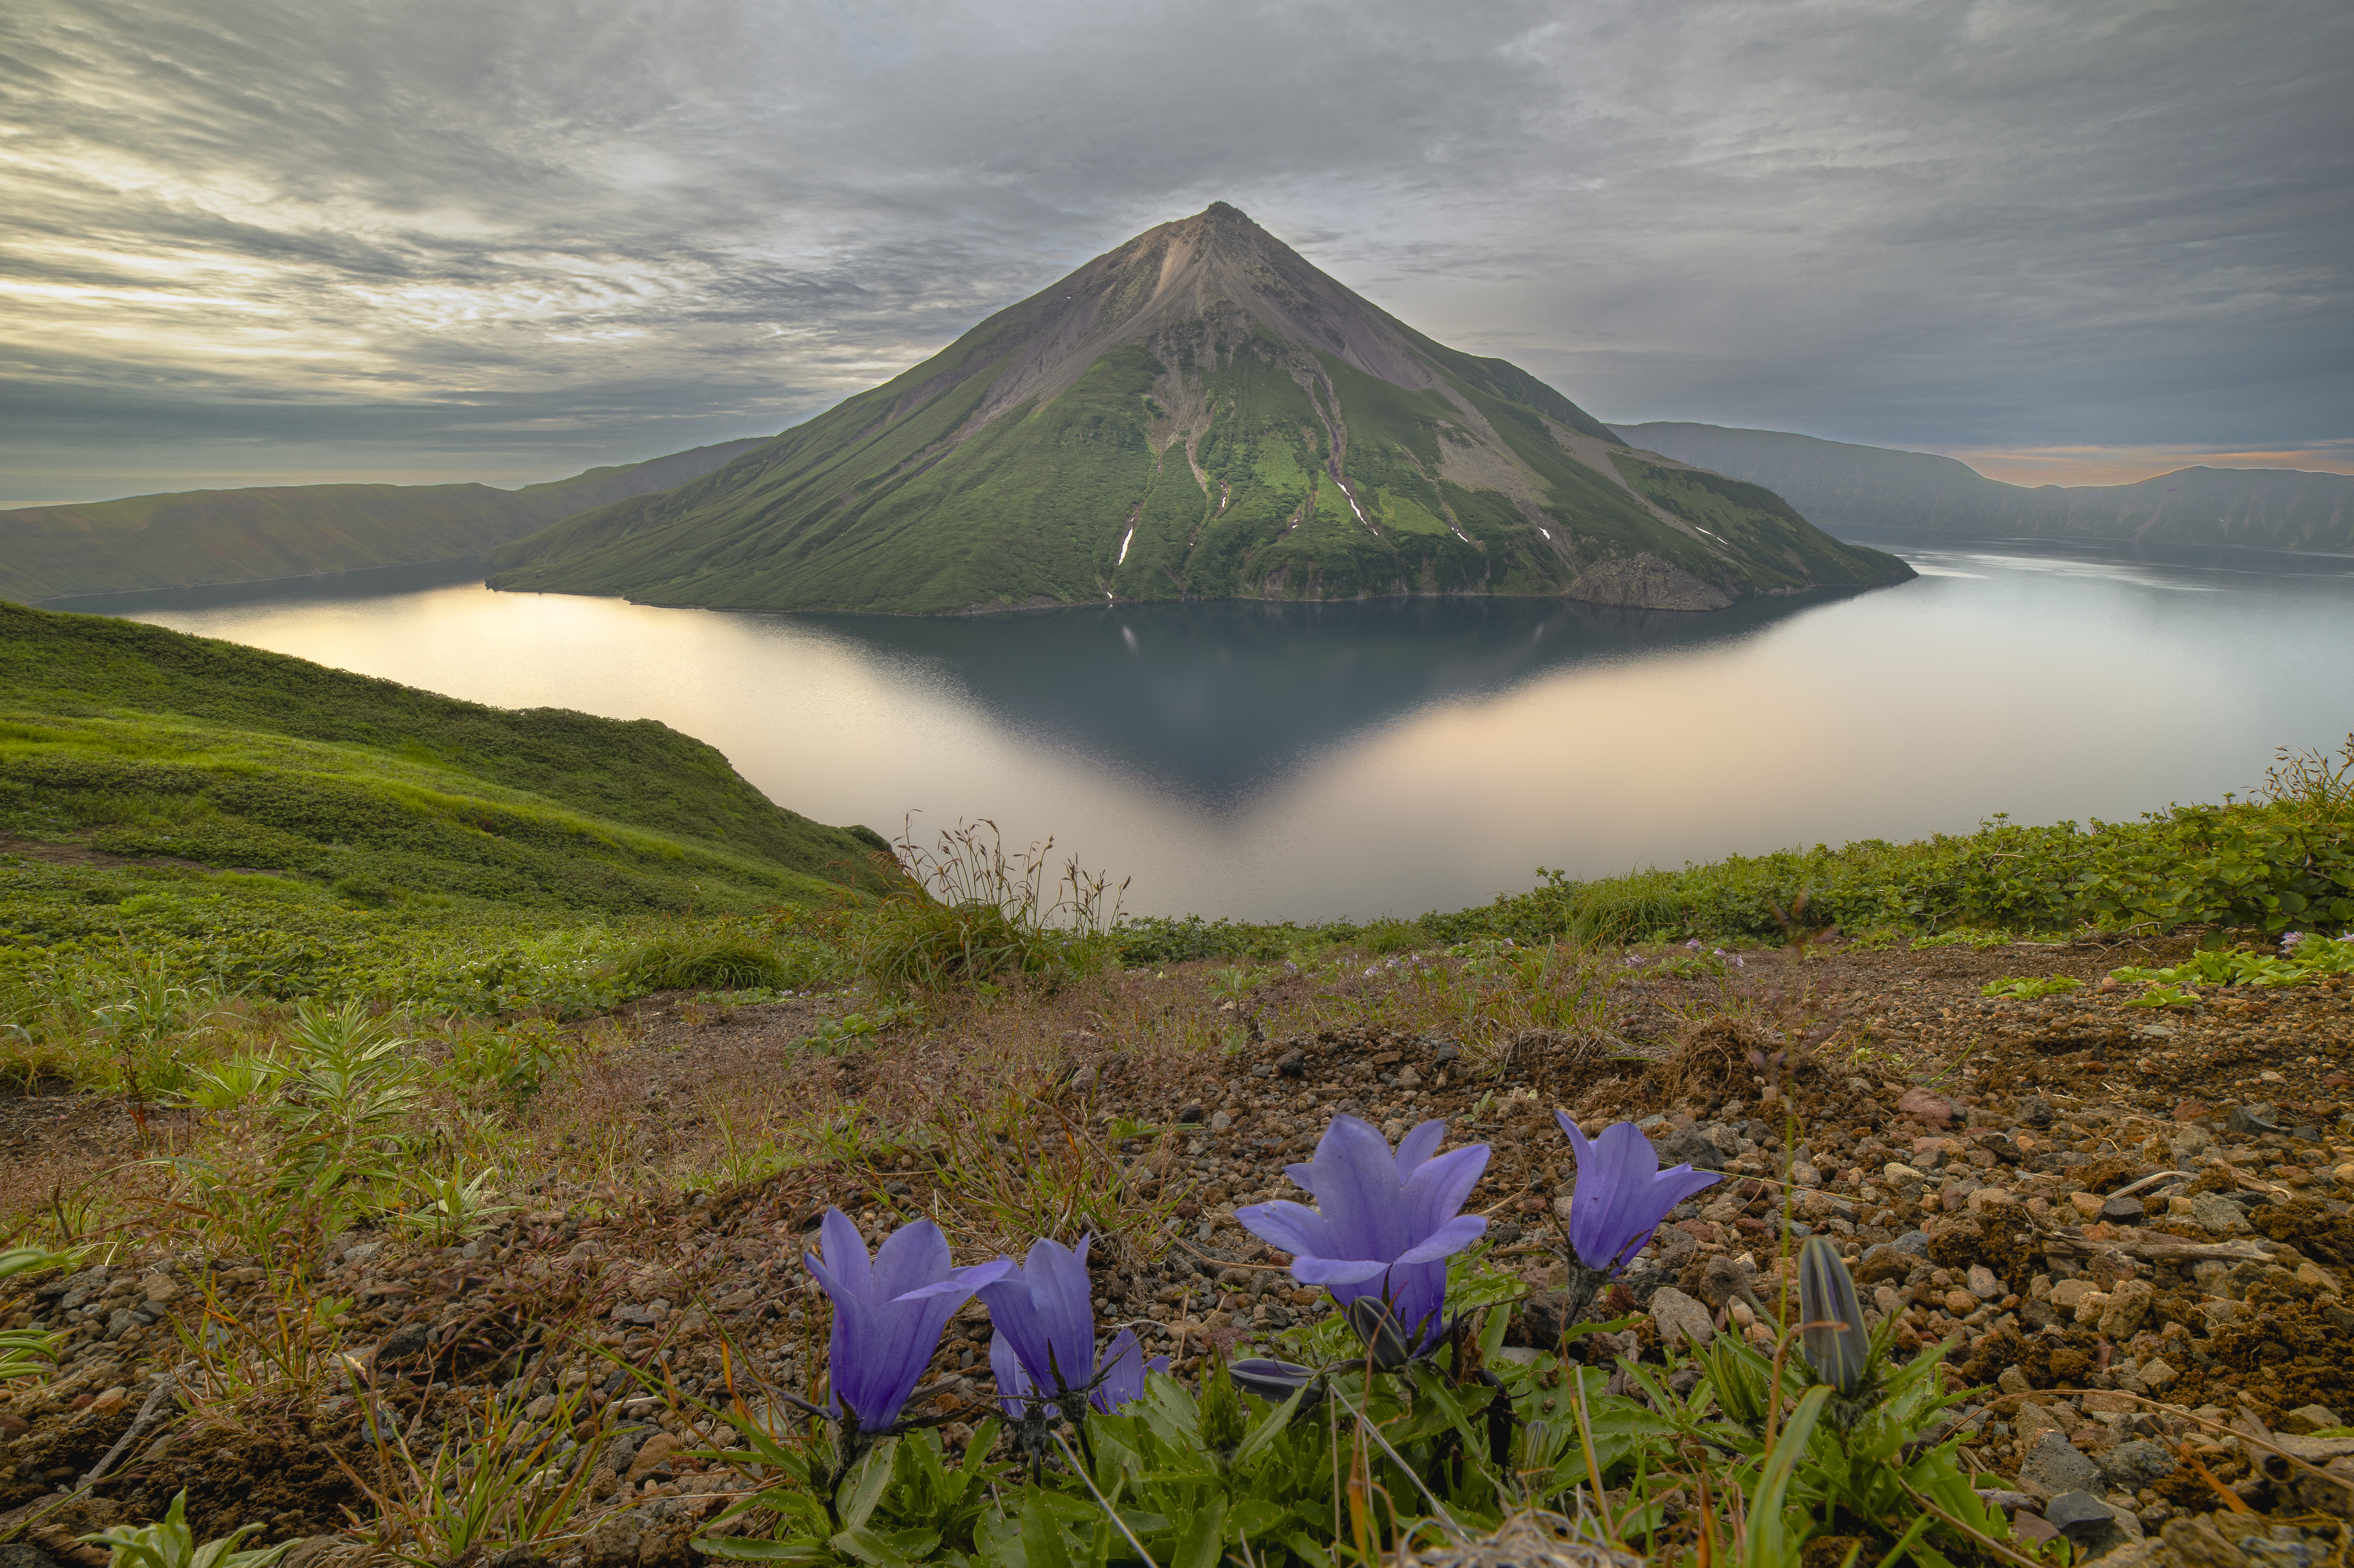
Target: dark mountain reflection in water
{"points": [[1214, 701]]}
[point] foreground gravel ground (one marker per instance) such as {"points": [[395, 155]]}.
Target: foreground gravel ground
{"points": [[2132, 1227]]}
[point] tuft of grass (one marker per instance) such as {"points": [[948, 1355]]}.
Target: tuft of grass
{"points": [[967, 911], [709, 956]]}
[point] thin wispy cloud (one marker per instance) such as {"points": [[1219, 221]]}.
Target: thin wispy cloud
{"points": [[294, 240]]}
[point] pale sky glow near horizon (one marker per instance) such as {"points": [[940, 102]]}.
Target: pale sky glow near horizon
{"points": [[263, 241]]}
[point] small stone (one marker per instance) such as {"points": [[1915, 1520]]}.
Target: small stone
{"points": [[2217, 1215], [2069, 1294], [2030, 1526], [1292, 1063], [2313, 1274], [1960, 1302], [2253, 1120], [2054, 1465], [1220, 1121], [612, 1542], [1979, 1200], [1805, 1175], [160, 1288], [1693, 1148], [2035, 1111], [1899, 1173], [2221, 1312], [1927, 1106], [2123, 1212], [402, 1344], [2155, 1373], [2081, 1517], [2140, 1463], [2013, 1381], [1983, 1284], [2087, 1203], [2307, 1418], [1190, 1115], [653, 1455], [2128, 1304], [1677, 1315]]}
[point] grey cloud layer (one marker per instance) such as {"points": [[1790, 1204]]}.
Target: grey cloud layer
{"points": [[572, 230]]}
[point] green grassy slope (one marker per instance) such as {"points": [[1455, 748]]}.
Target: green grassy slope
{"points": [[1124, 436], [267, 793], [859, 509], [204, 536]]}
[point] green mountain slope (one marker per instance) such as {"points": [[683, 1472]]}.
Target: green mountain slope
{"points": [[204, 536], [1200, 413], [1872, 488], [119, 739]]}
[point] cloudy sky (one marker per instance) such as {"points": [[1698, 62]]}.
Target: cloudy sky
{"points": [[2067, 240]]}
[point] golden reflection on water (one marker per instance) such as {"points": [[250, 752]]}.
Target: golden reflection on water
{"points": [[2002, 684]]}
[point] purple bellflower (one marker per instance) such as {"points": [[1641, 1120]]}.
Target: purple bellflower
{"points": [[888, 1314], [1119, 1378], [1042, 1311], [1621, 1194], [1381, 1230], [1045, 1342]]}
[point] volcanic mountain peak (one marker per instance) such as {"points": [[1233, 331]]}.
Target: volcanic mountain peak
{"points": [[1198, 413], [1212, 279]]}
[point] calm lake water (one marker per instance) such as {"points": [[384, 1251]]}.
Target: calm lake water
{"points": [[1318, 761]]}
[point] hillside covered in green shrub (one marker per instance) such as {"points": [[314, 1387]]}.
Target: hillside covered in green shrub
{"points": [[274, 820]]}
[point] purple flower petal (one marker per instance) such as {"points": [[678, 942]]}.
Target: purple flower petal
{"points": [[1418, 1145], [1294, 1227], [1123, 1371], [916, 1255], [1045, 1308], [1385, 1220], [1447, 1240], [1622, 1195], [1013, 1382], [1441, 1187], [1336, 1270], [883, 1336]]}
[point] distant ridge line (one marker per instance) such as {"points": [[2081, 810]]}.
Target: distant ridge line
{"points": [[1879, 490]]}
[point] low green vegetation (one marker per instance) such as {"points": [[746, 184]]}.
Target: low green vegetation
{"points": [[201, 537], [2280, 860], [185, 822]]}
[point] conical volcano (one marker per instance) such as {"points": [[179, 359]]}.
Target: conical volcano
{"points": [[1198, 413]]}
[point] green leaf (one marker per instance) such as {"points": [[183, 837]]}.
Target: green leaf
{"points": [[1042, 1541], [1269, 1428], [866, 1484], [1768, 1534], [1203, 1542], [901, 1549], [746, 1549]]}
